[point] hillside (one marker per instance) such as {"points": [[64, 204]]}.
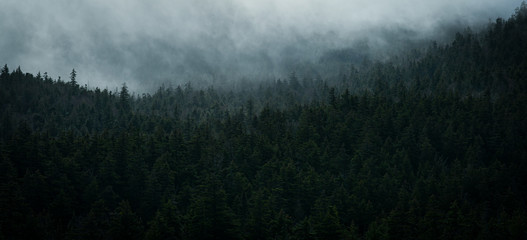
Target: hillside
{"points": [[431, 144]]}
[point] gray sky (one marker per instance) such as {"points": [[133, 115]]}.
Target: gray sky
{"points": [[146, 43]]}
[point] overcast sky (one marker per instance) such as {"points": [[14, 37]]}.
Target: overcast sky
{"points": [[146, 43]]}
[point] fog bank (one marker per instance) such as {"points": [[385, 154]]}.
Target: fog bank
{"points": [[146, 43]]}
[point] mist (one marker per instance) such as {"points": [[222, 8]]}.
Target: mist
{"points": [[148, 43]]}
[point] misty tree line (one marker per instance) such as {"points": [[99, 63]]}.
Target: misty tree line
{"points": [[431, 145]]}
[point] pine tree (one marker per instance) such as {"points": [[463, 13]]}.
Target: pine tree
{"points": [[5, 72], [124, 99], [73, 78]]}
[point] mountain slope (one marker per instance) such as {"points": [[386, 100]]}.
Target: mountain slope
{"points": [[432, 145]]}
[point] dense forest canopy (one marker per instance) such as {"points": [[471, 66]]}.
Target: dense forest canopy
{"points": [[431, 144]]}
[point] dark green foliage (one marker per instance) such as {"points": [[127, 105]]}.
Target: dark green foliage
{"points": [[209, 216], [433, 146], [125, 224], [166, 224]]}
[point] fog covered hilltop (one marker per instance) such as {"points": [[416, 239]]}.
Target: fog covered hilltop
{"points": [[284, 120], [222, 42]]}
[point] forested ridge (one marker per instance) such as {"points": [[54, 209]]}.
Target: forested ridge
{"points": [[431, 144]]}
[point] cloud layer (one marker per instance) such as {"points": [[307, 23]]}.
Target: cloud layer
{"points": [[146, 43]]}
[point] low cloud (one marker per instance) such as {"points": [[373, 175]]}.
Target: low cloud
{"points": [[147, 43]]}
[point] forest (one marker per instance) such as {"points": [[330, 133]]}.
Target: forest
{"points": [[431, 144]]}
